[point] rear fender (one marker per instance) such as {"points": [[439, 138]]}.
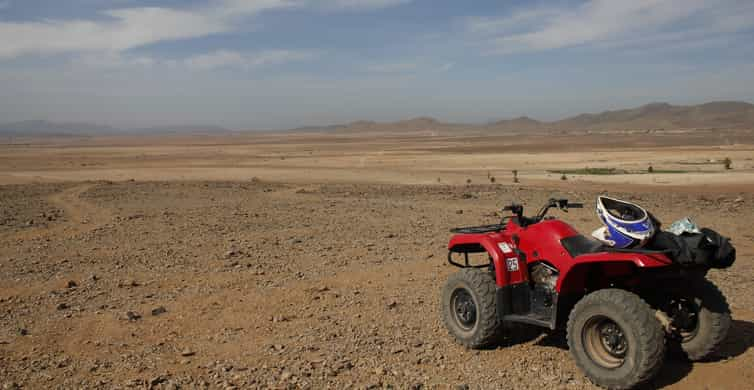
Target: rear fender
{"points": [[605, 267]]}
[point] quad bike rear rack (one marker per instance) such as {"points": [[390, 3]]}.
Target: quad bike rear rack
{"points": [[638, 250]]}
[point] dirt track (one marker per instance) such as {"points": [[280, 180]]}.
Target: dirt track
{"points": [[280, 285]]}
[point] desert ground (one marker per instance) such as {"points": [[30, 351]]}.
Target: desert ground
{"points": [[305, 260]]}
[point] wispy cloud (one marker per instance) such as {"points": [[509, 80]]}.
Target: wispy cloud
{"points": [[406, 67], [360, 4], [200, 62], [395, 67], [112, 59], [446, 67], [519, 20], [126, 28], [121, 30], [613, 23], [229, 58]]}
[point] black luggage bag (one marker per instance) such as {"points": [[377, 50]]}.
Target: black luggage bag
{"points": [[707, 248]]}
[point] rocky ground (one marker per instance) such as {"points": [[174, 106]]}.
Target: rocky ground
{"points": [[259, 285]]}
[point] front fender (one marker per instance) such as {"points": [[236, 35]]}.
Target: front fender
{"points": [[490, 243]]}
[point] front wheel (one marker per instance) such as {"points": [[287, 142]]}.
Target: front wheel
{"points": [[615, 339], [701, 318], [469, 309]]}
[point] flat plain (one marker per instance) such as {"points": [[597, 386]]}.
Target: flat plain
{"points": [[315, 260]]}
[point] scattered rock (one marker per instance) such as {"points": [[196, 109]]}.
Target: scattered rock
{"points": [[129, 283], [459, 212], [71, 284], [133, 316], [62, 306], [187, 353], [157, 380], [159, 310], [23, 332]]}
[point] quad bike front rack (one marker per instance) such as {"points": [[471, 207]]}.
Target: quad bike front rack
{"points": [[478, 229], [474, 248], [466, 263]]}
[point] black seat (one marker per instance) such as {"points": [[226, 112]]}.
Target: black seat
{"points": [[580, 245]]}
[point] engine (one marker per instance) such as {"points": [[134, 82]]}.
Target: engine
{"points": [[545, 278]]}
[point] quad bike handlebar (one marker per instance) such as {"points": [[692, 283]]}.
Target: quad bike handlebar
{"points": [[517, 210], [561, 204]]}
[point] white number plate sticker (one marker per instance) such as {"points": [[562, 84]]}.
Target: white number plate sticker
{"points": [[512, 264], [505, 247]]}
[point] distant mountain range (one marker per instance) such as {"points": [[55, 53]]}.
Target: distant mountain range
{"points": [[653, 116], [39, 127], [666, 116], [47, 128]]}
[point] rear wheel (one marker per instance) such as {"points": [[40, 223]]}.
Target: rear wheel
{"points": [[615, 339], [469, 310], [701, 318]]}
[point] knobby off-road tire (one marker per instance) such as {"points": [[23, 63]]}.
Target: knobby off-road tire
{"points": [[713, 321], [601, 318], [466, 291]]}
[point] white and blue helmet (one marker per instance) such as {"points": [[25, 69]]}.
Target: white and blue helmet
{"points": [[627, 224]]}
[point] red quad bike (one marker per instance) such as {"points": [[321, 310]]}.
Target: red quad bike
{"points": [[620, 307]]}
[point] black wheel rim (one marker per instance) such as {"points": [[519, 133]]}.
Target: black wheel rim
{"points": [[464, 308], [684, 314], [605, 342]]}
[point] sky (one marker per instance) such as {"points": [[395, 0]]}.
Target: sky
{"points": [[269, 64]]}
